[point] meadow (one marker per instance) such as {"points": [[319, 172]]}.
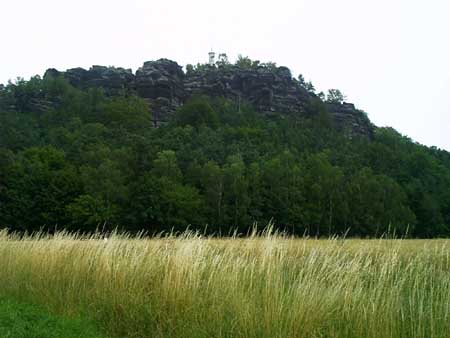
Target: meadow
{"points": [[266, 285]]}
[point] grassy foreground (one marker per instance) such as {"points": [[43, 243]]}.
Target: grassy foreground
{"points": [[269, 286], [19, 320]]}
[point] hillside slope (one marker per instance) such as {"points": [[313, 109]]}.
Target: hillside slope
{"points": [[235, 144]]}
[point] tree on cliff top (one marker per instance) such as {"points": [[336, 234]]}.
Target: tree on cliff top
{"points": [[335, 96]]}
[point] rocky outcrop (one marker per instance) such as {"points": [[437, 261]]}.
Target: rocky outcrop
{"points": [[113, 80], [271, 90], [162, 84], [351, 120]]}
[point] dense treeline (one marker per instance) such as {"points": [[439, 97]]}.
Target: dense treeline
{"points": [[81, 160]]}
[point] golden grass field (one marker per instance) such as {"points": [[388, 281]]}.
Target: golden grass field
{"points": [[264, 286]]}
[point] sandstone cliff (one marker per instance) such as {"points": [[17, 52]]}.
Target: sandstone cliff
{"points": [[271, 90]]}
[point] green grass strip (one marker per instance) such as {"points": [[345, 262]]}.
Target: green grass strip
{"points": [[18, 320]]}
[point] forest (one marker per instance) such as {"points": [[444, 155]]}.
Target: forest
{"points": [[81, 160]]}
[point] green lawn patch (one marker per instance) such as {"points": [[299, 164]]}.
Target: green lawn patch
{"points": [[18, 320]]}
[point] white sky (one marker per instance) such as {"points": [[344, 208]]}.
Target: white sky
{"points": [[390, 57]]}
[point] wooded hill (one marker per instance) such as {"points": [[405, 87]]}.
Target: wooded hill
{"points": [[234, 145]]}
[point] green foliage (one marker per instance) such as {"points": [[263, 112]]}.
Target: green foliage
{"points": [[19, 320], [306, 85], [378, 202], [81, 160], [335, 96], [126, 112], [189, 69], [246, 63], [197, 112], [199, 67], [39, 186]]}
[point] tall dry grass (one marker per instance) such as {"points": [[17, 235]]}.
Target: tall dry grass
{"points": [[263, 286]]}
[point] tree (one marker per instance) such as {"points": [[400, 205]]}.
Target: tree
{"points": [[80, 159], [40, 184], [323, 186], [306, 85], [197, 112], [235, 192], [246, 63], [212, 182], [378, 204], [89, 213], [271, 66], [189, 69], [283, 190], [159, 203], [335, 96], [128, 112], [105, 183], [301, 80], [165, 165]]}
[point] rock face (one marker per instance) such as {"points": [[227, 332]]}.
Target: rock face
{"points": [[271, 90], [111, 79], [353, 121], [162, 84]]}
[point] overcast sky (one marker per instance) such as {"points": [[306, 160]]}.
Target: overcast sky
{"points": [[390, 57]]}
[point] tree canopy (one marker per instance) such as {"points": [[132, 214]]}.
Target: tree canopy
{"points": [[80, 160]]}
